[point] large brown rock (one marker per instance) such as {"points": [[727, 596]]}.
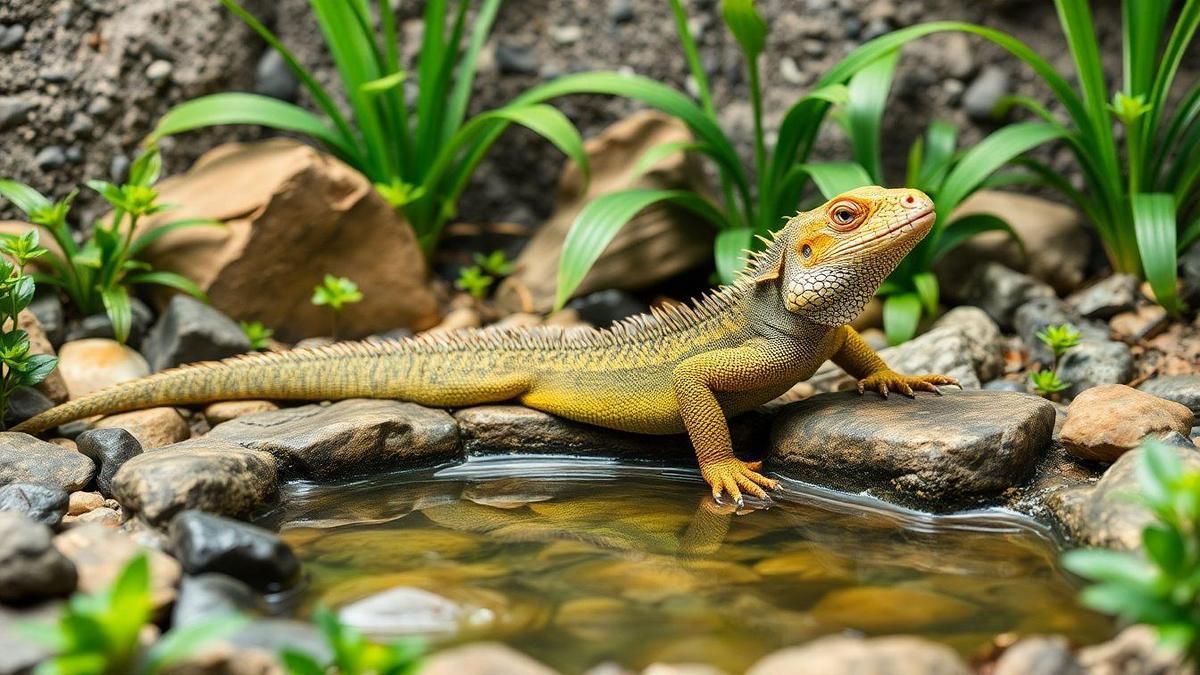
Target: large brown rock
{"points": [[1105, 422], [206, 474], [349, 437], [293, 215], [934, 450], [152, 427], [657, 244], [100, 553], [92, 364]]}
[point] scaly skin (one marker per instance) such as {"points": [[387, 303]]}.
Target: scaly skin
{"points": [[686, 368]]}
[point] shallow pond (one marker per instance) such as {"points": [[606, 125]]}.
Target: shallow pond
{"points": [[585, 561]]}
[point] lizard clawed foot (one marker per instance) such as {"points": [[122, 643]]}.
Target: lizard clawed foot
{"points": [[733, 477], [889, 380]]}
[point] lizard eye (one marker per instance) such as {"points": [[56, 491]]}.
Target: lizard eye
{"points": [[806, 251], [844, 216]]}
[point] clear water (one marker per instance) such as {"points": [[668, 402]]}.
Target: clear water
{"points": [[580, 562]]}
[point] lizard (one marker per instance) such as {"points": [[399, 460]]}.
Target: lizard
{"points": [[682, 368]]}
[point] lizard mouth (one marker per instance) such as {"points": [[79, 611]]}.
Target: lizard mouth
{"points": [[919, 223]]}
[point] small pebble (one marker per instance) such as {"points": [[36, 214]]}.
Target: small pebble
{"points": [[159, 71], [11, 37], [80, 503], [50, 158]]}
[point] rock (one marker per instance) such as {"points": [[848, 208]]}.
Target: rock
{"points": [[349, 437], [109, 449], [223, 411], [1003, 385], [933, 450], [11, 37], [983, 95], [1112, 295], [205, 473], [999, 291], [273, 77], [839, 655], [248, 268], [18, 654], [25, 459], [24, 403], [985, 346], [159, 71], [1091, 364], [53, 387], [100, 553], [50, 158], [969, 351], [190, 331], [110, 518], [1038, 655], [95, 363], [604, 308], [100, 326], [79, 503], [657, 244], [514, 59], [482, 658], [1144, 323], [207, 596], [30, 567], [40, 503], [620, 11], [405, 611], [1135, 650], [1109, 514], [152, 427], [48, 310], [1183, 389], [13, 111], [1035, 316], [511, 429], [275, 635], [1189, 262], [205, 543], [1105, 422]]}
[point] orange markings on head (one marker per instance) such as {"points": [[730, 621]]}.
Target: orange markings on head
{"points": [[812, 249], [847, 214]]}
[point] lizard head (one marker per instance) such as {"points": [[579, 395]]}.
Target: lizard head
{"points": [[829, 262]]}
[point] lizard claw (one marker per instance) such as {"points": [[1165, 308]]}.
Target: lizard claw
{"points": [[733, 477], [889, 380]]}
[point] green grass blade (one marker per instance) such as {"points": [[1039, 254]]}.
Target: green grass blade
{"points": [[962, 229], [170, 280], [729, 251], [834, 178], [941, 140], [600, 220], [434, 51], [868, 95], [927, 291], [798, 129], [238, 108], [22, 196], [692, 55], [746, 25], [1189, 235], [465, 80], [1143, 22], [901, 314], [651, 157], [1178, 44], [116, 305], [1186, 115], [993, 152], [153, 235], [1155, 226]]}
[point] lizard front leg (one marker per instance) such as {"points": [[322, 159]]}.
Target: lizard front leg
{"points": [[856, 357], [695, 382]]}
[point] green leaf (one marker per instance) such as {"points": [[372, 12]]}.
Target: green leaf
{"points": [[24, 197], [868, 94], [300, 663], [1110, 566], [116, 304], [989, 155], [959, 231], [651, 157], [747, 26], [150, 236], [1166, 547], [927, 290], [171, 280], [901, 314], [22, 293], [941, 139], [1157, 472], [239, 108], [692, 54], [385, 83], [35, 369], [146, 168], [729, 249], [834, 178], [546, 121], [601, 219], [457, 109], [1155, 227], [1189, 235]]}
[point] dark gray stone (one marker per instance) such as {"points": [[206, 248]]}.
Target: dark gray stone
{"points": [[99, 326], [1189, 262], [109, 449], [620, 11], [937, 451], [207, 596], [11, 37], [999, 291], [25, 459], [1094, 363], [41, 503], [30, 567], [24, 403], [514, 59], [190, 331], [354, 437], [273, 77], [1003, 385], [118, 168], [984, 93], [204, 473], [1183, 389], [51, 157], [1111, 296], [604, 308], [13, 111], [206, 543], [49, 312]]}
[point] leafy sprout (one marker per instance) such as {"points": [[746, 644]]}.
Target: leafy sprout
{"points": [[96, 275], [474, 282], [1047, 382], [336, 292], [1058, 339], [495, 264], [420, 154], [1160, 587], [20, 367], [258, 334], [353, 654]]}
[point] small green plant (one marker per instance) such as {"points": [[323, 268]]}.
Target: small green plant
{"points": [[937, 168], [494, 264], [420, 154], [353, 654], [336, 293], [96, 275], [1162, 586], [20, 368], [101, 634], [474, 281], [258, 334], [1058, 339]]}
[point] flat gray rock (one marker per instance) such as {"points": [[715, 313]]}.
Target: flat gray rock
{"points": [[353, 437], [44, 504], [936, 451], [1183, 389], [206, 474], [25, 459], [30, 567]]}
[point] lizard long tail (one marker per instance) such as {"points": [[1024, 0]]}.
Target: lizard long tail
{"points": [[392, 370]]}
